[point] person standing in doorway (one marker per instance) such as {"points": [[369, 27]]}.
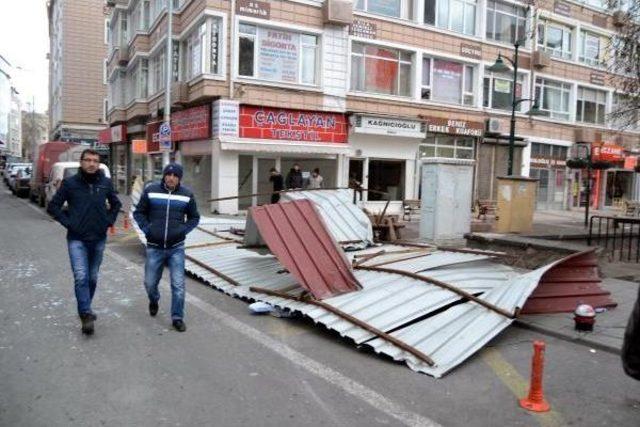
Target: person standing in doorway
{"points": [[278, 184], [294, 178], [93, 207], [166, 213], [315, 180]]}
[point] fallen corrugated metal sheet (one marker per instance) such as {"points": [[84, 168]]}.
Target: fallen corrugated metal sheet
{"points": [[345, 220], [570, 283], [297, 236], [410, 319]]}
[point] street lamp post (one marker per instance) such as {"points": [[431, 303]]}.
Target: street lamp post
{"points": [[500, 67], [167, 90]]}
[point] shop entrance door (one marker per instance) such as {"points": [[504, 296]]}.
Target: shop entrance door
{"points": [[265, 187]]}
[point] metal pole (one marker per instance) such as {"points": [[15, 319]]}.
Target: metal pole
{"points": [[588, 190], [167, 88], [512, 128]]}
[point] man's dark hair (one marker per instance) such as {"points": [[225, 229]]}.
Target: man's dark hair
{"points": [[89, 151], [273, 170]]}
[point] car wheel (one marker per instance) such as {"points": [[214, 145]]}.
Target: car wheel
{"points": [[41, 200]]}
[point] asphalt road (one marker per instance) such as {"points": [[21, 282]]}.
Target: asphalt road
{"points": [[234, 369]]}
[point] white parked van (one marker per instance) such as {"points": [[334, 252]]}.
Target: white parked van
{"points": [[62, 170]]}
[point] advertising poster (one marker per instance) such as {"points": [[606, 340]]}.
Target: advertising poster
{"points": [[278, 55], [447, 81]]}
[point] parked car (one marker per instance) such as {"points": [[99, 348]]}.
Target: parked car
{"points": [[20, 184], [9, 169], [13, 174], [60, 171]]}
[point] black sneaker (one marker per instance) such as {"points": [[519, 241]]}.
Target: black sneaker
{"points": [[153, 308], [179, 325], [87, 323]]}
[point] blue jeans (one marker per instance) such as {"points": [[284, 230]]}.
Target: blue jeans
{"points": [[156, 260], [86, 257]]}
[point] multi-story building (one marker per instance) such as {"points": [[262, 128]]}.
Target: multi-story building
{"points": [[14, 136], [364, 92], [6, 92], [77, 86]]}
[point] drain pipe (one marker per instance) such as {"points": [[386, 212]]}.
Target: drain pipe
{"points": [[232, 38]]}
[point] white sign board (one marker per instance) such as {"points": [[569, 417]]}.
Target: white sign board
{"points": [[164, 135], [225, 118], [278, 55], [387, 126]]}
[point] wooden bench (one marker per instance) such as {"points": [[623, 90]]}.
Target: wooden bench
{"points": [[409, 206], [484, 207]]}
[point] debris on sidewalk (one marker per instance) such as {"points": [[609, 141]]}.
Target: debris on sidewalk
{"points": [[260, 307]]}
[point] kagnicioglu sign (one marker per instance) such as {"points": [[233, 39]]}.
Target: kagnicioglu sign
{"points": [[388, 126]]}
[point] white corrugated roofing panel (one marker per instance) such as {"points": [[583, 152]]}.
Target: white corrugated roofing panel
{"points": [[346, 221]]}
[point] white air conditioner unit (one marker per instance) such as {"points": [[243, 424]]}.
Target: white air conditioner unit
{"points": [[337, 12], [493, 126]]}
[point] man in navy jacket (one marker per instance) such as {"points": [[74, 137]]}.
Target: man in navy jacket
{"points": [[87, 219], [166, 213]]}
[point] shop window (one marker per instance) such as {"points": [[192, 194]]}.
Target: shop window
{"points": [[447, 146], [591, 105], [381, 70], [553, 97], [498, 90], [386, 176], [394, 8], [277, 55], [555, 39], [447, 81], [454, 15], [506, 22], [592, 48]]}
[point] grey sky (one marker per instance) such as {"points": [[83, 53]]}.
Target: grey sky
{"points": [[24, 42]]}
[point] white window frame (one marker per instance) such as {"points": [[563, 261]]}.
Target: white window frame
{"points": [[566, 30], [256, 23], [522, 79], [495, 11], [580, 92], [464, 93], [601, 60], [400, 61], [565, 91], [466, 3], [406, 8], [436, 146]]}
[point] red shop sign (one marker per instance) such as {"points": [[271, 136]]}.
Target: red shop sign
{"points": [[153, 137], [292, 125], [608, 153], [104, 136], [192, 123]]}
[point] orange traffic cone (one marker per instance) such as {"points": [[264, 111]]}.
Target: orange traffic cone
{"points": [[535, 401], [112, 230], [126, 223]]}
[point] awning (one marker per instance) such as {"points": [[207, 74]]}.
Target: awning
{"points": [[264, 146]]}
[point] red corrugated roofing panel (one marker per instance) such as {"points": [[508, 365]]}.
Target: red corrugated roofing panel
{"points": [[571, 282], [297, 236]]}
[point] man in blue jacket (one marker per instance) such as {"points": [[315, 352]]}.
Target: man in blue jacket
{"points": [[93, 206], [166, 213]]}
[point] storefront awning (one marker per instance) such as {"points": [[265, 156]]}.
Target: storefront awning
{"points": [[261, 146]]}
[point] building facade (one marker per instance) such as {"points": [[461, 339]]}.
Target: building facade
{"points": [[10, 126], [77, 85], [363, 91]]}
